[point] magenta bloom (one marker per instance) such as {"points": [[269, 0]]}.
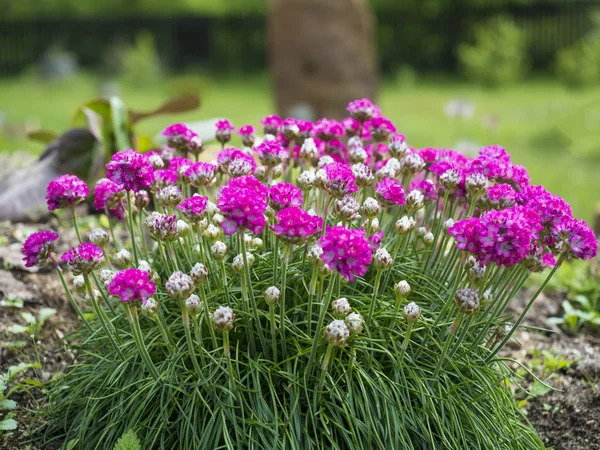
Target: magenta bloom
{"points": [[426, 187], [575, 239], [240, 164], [162, 226], [305, 129], [164, 178], [84, 258], [183, 138], [271, 124], [131, 170], [247, 134], [552, 209], [296, 226], [193, 208], [375, 240], [132, 286], [328, 129], [271, 153], [351, 126], [284, 195], [180, 165], [340, 180], [66, 191], [501, 196], [389, 192], [362, 110], [243, 201], [381, 128], [224, 129], [38, 247], [201, 174], [346, 251], [109, 195]]}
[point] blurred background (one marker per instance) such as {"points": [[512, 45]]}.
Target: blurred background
{"points": [[524, 74]]}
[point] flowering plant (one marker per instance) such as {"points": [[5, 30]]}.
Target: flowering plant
{"points": [[334, 294]]}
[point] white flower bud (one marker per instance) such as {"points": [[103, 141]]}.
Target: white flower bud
{"points": [[337, 333], [420, 232], [99, 237], [223, 319], [211, 208], [476, 184], [79, 284], [260, 173], [183, 228], [402, 289], [371, 208], [449, 179], [414, 200], [192, 304], [199, 273], [169, 196], [314, 254], [448, 223], [212, 233], [150, 307], [219, 250], [238, 262], [156, 161], [357, 155], [355, 323], [405, 225], [362, 174], [347, 209], [217, 219], [123, 258], [382, 259], [97, 297], [179, 286], [272, 295], [375, 225], [306, 180], [320, 178], [428, 239], [341, 307], [256, 244], [309, 150], [107, 276], [325, 160], [412, 312], [467, 300]]}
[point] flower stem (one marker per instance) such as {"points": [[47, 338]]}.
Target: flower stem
{"points": [[449, 340], [188, 336], [273, 331], [311, 294], [139, 340], [324, 306], [115, 243], [75, 225], [208, 316], [130, 226], [374, 296], [324, 367], [282, 307], [72, 300], [406, 340]]}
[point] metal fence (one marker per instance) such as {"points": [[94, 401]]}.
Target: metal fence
{"points": [[241, 44]]}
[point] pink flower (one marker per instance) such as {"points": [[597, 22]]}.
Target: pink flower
{"points": [[283, 195], [224, 129], [296, 226], [351, 126], [552, 209], [161, 226], [305, 129], [575, 239], [271, 124], [346, 251], [109, 195], [362, 110], [243, 203], [201, 174], [375, 240], [66, 191], [271, 153], [501, 196], [340, 180], [131, 170], [247, 134], [389, 192], [84, 258], [381, 128], [426, 187], [328, 129], [164, 178], [193, 208], [240, 163], [38, 248], [132, 286], [180, 165], [182, 138]]}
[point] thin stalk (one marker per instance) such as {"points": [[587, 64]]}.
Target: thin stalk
{"points": [[324, 307], [406, 340], [75, 225], [143, 236], [71, 299], [115, 243], [163, 332], [311, 294], [525, 311], [374, 296], [282, 307], [273, 331], [188, 337], [208, 316], [101, 288], [198, 336], [449, 340], [324, 367], [139, 340], [130, 226]]}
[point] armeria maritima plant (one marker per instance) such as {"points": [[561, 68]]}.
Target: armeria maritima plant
{"points": [[329, 288]]}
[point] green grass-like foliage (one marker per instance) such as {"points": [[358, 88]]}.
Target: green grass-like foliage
{"points": [[371, 396]]}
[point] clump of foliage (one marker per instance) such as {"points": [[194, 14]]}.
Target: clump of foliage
{"points": [[579, 64], [499, 54], [323, 286]]}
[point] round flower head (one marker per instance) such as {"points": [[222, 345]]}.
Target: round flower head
{"points": [[576, 239], [412, 312], [476, 184], [194, 208], [341, 307], [351, 126], [150, 307], [271, 153], [305, 130], [66, 191], [243, 203], [340, 180], [132, 286], [467, 300], [283, 195], [362, 110], [328, 129], [337, 333], [247, 134], [402, 289], [499, 196], [199, 273], [377, 236], [180, 285], [169, 196], [346, 251], [161, 226], [295, 226], [163, 178], [201, 174], [371, 208], [99, 237], [309, 150], [109, 195], [271, 124], [389, 192], [183, 139], [347, 209], [224, 129], [272, 295], [354, 322], [84, 258], [219, 250], [180, 165], [223, 318], [404, 225], [397, 146], [425, 187], [156, 161], [38, 248], [382, 259], [192, 305], [306, 180], [290, 129], [381, 128], [414, 200], [131, 170], [363, 175], [411, 164], [141, 200], [123, 258], [241, 164]]}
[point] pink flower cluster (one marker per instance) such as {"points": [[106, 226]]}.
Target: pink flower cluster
{"points": [[381, 128], [193, 208], [66, 191], [389, 192], [243, 201], [84, 258], [328, 129], [109, 195], [38, 248], [295, 226], [362, 110], [201, 174], [575, 239], [132, 286], [131, 170], [164, 178], [182, 138], [340, 180], [271, 153], [283, 195], [503, 237], [271, 124], [247, 134], [224, 129], [346, 251]]}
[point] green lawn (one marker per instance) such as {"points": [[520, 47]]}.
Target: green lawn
{"points": [[554, 132]]}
